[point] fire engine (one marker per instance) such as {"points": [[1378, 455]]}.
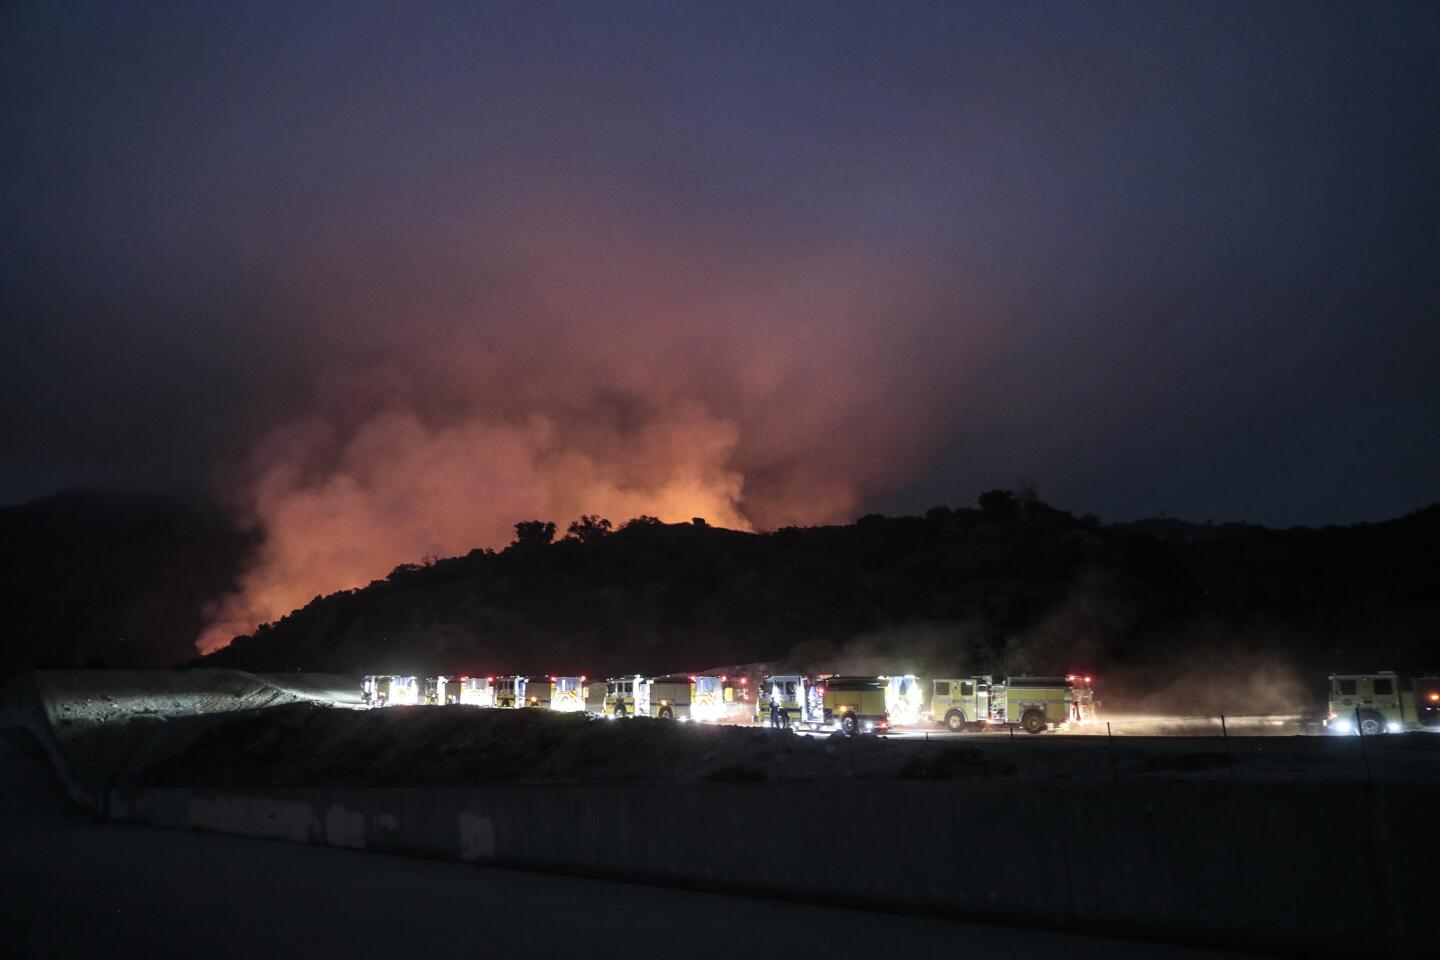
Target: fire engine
{"points": [[674, 697], [475, 691], [800, 701], [1371, 703], [627, 697], [512, 693], [443, 690], [857, 704], [388, 691], [738, 701], [851, 704], [1084, 707], [595, 698], [1030, 703], [709, 696], [567, 694], [903, 700], [670, 698]]}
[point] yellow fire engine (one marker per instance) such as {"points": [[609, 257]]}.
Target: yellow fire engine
{"points": [[1030, 703], [1372, 703], [567, 694], [476, 691], [512, 693], [851, 704], [627, 697], [388, 691]]}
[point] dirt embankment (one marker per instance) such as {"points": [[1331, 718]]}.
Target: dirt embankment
{"points": [[98, 725], [304, 744], [230, 728], [97, 697]]}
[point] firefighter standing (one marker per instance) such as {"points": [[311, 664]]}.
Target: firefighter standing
{"points": [[774, 713]]}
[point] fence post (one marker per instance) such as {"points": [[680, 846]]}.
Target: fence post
{"points": [[1110, 741], [1229, 758], [1364, 754]]}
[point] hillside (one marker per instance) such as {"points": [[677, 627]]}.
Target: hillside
{"points": [[1195, 616], [110, 579]]}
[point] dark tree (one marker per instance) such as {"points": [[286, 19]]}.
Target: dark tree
{"points": [[588, 528], [534, 533], [997, 504]]}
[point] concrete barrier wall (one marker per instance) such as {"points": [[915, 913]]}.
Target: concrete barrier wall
{"points": [[1313, 870], [24, 706]]}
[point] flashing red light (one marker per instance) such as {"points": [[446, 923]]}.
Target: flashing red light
{"points": [[744, 681], [582, 679], [1087, 679], [1434, 697]]}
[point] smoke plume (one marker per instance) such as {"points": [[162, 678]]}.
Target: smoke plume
{"points": [[548, 367]]}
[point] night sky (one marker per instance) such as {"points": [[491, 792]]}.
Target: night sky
{"points": [[395, 276]]}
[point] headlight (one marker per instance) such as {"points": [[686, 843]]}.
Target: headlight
{"points": [[1394, 727], [1343, 726]]}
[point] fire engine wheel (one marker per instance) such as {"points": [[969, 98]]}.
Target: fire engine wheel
{"points": [[955, 720], [1033, 722], [666, 713], [1370, 725], [849, 724]]}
